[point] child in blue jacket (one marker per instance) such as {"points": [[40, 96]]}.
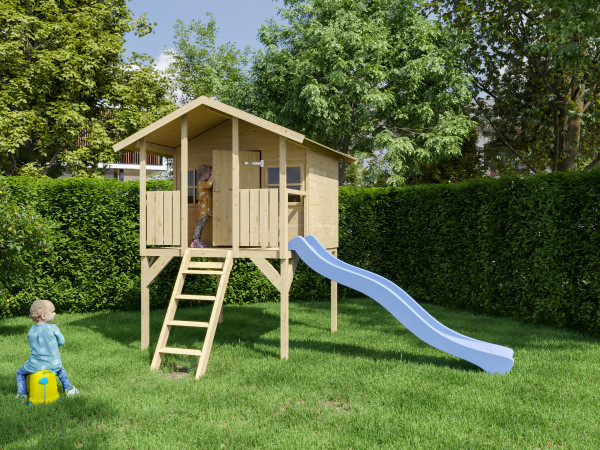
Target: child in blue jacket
{"points": [[44, 340]]}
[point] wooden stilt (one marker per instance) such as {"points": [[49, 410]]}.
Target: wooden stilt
{"points": [[285, 309], [144, 277], [145, 304], [151, 268], [334, 300]]}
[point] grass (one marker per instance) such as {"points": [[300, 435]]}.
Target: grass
{"points": [[371, 384]]}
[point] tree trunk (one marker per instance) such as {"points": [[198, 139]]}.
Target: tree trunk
{"points": [[342, 172], [570, 151]]}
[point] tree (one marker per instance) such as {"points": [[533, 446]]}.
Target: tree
{"points": [[536, 71], [200, 67], [466, 166], [62, 73], [367, 77]]}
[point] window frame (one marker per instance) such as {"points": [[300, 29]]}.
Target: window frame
{"points": [[292, 198]]}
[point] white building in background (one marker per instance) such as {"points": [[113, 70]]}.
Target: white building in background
{"points": [[128, 168]]}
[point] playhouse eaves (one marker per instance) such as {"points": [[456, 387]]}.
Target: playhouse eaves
{"points": [[163, 137]]}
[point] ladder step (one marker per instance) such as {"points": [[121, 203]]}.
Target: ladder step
{"points": [[187, 323], [208, 298], [181, 351], [207, 252], [206, 264], [203, 272]]}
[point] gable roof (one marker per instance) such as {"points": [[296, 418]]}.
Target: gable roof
{"points": [[204, 113]]}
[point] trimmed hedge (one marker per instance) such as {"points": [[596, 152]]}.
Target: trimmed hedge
{"points": [[528, 248], [520, 247]]}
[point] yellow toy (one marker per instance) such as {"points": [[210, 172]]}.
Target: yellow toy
{"points": [[42, 387]]}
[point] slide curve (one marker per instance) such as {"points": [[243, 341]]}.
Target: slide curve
{"points": [[490, 357]]}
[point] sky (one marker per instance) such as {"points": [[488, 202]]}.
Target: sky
{"points": [[238, 22]]}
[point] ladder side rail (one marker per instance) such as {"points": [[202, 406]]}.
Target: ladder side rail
{"points": [[214, 317], [170, 314]]}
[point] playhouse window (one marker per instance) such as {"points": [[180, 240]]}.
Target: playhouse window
{"points": [[294, 180], [192, 186]]}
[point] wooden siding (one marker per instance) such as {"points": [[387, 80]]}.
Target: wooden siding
{"points": [[163, 218], [259, 218], [322, 199]]}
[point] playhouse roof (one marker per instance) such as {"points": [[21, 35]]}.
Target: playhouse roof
{"points": [[163, 136]]}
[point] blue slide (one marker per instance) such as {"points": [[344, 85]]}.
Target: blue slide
{"points": [[490, 357]]}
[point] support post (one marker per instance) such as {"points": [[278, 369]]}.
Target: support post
{"points": [[283, 249], [145, 290], [235, 187], [283, 199], [184, 181], [145, 304], [334, 299], [284, 309], [142, 144]]}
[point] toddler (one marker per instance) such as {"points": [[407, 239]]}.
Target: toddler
{"points": [[205, 182], [44, 340]]}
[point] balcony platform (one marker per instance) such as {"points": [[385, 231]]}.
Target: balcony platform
{"points": [[242, 252]]}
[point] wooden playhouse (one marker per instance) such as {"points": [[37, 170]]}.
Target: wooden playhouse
{"points": [[270, 185]]}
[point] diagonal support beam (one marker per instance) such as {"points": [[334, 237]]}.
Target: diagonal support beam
{"points": [[268, 270], [154, 267], [271, 273]]}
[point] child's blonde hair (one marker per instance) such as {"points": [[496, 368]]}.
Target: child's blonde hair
{"points": [[203, 171], [39, 308]]}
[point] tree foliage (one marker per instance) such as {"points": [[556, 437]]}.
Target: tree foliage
{"points": [[466, 166], [63, 75], [536, 71], [27, 242], [201, 67], [364, 77]]}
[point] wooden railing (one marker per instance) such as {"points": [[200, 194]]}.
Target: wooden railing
{"points": [[134, 158], [163, 218], [258, 213], [259, 217]]}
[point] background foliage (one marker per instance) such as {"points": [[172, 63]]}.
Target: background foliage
{"points": [[374, 79], [201, 67], [522, 247], [63, 76], [536, 78]]}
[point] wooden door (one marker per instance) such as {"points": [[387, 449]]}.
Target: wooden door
{"points": [[249, 179]]}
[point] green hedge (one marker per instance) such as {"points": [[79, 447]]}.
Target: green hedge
{"points": [[522, 247]]}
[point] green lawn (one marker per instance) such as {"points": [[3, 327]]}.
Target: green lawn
{"points": [[371, 384]]}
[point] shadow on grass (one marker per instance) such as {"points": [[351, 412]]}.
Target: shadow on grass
{"points": [[356, 351], [57, 425], [13, 330], [248, 326], [242, 324]]}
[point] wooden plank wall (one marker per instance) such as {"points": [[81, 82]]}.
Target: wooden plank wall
{"points": [[259, 218], [163, 215], [323, 199]]}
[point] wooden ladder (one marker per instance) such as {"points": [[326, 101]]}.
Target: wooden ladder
{"points": [[214, 267]]}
